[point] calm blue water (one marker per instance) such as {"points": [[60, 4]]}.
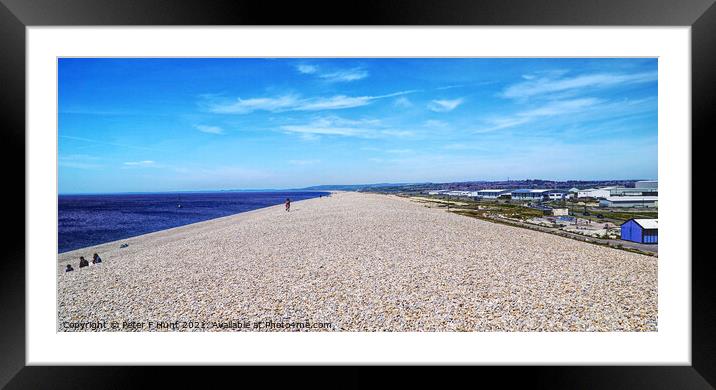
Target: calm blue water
{"points": [[86, 220]]}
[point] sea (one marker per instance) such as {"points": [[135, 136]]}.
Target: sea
{"points": [[86, 220]]}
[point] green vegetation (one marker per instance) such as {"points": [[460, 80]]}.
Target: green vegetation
{"points": [[484, 208], [519, 210], [626, 215], [509, 212]]}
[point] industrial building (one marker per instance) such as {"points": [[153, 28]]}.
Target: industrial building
{"points": [[459, 193], [491, 194], [645, 231], [539, 194], [630, 201], [559, 194], [529, 194], [595, 192], [606, 192], [453, 193], [622, 191]]}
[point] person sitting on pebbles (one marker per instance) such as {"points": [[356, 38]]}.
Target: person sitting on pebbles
{"points": [[96, 259], [69, 268], [83, 262]]}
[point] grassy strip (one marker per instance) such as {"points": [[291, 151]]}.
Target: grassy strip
{"points": [[508, 223], [522, 211]]}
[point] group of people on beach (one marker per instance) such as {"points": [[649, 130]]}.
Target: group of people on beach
{"points": [[84, 263], [96, 259]]}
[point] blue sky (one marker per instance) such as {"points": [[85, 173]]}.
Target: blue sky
{"points": [[209, 124]]}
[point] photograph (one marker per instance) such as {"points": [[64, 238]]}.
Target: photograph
{"points": [[469, 184], [357, 194]]}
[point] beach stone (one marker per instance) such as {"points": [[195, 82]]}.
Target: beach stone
{"points": [[359, 262]]}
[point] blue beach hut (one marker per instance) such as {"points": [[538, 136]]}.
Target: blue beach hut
{"points": [[645, 231]]}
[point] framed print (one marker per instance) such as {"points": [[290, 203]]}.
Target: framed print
{"points": [[406, 184]]}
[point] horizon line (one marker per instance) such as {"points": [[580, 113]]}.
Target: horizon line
{"points": [[312, 187]]}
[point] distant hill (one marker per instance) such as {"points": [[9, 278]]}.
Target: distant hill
{"points": [[463, 186], [354, 187], [471, 185]]}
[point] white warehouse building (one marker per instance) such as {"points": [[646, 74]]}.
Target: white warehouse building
{"points": [[459, 193], [491, 194], [594, 192], [530, 194], [622, 191], [559, 194], [630, 201]]}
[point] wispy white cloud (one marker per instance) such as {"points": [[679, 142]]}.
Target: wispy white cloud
{"points": [[303, 162], [449, 87], [101, 142], [294, 103], [209, 129], [306, 68], [143, 163], [402, 102], [334, 103], [434, 123], [319, 129], [329, 126], [555, 108], [245, 106], [560, 107], [79, 161], [444, 105], [535, 86], [345, 75], [309, 136], [340, 75], [399, 151], [464, 146], [397, 133], [337, 126]]}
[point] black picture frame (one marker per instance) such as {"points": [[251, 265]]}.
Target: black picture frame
{"points": [[16, 15]]}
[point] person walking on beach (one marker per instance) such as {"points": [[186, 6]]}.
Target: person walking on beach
{"points": [[288, 204], [83, 262], [96, 259]]}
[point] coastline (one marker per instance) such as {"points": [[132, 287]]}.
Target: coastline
{"points": [[362, 262], [127, 239]]}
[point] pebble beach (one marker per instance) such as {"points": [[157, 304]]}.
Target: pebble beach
{"points": [[356, 262]]}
